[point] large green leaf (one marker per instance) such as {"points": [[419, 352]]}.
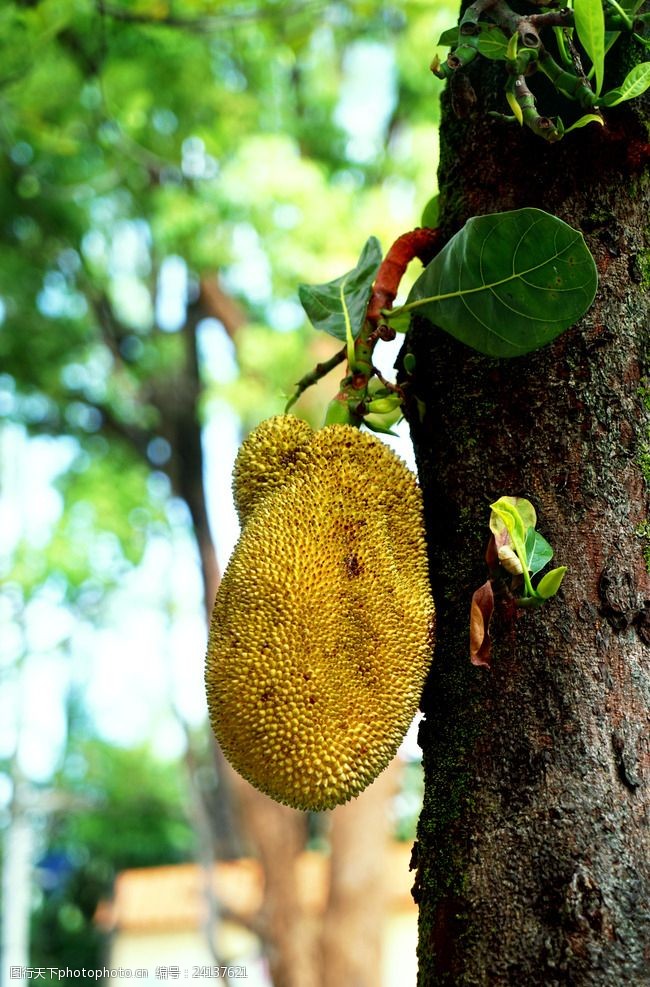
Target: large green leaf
{"points": [[508, 282], [590, 26], [339, 307]]}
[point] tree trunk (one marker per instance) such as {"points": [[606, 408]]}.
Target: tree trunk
{"points": [[354, 922], [533, 851]]}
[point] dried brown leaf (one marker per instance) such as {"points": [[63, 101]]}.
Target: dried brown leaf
{"points": [[480, 645]]}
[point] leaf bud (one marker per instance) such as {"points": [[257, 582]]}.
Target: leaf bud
{"points": [[551, 582], [510, 560], [338, 413]]}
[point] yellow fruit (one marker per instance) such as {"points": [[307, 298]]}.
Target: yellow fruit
{"points": [[267, 459], [322, 629]]}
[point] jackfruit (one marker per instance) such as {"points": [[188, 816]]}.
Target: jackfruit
{"points": [[266, 460], [322, 629]]}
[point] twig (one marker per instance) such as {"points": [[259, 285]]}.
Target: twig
{"points": [[320, 370]]}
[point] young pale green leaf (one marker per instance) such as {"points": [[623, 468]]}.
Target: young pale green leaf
{"points": [[507, 283], [515, 107], [382, 406], [584, 120], [636, 82], [331, 306], [551, 582], [520, 507], [512, 47], [538, 551], [505, 514], [590, 26]]}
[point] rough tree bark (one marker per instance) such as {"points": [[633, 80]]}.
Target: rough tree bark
{"points": [[533, 851]]}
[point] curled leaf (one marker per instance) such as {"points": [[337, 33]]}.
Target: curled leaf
{"points": [[509, 560], [509, 526], [409, 362], [515, 107], [480, 645], [385, 404], [584, 120]]}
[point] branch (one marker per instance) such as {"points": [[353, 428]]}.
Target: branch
{"points": [[320, 370], [423, 243]]}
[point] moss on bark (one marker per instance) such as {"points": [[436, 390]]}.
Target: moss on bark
{"points": [[533, 847]]}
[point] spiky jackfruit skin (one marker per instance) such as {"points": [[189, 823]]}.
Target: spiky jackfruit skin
{"points": [[322, 629], [267, 459]]}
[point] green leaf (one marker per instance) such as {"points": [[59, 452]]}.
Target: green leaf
{"points": [[561, 47], [493, 43], [507, 283], [512, 47], [375, 424], [584, 120], [449, 38], [505, 514], [384, 405], [515, 107], [400, 321], [636, 82], [551, 582], [430, 213], [333, 306], [520, 507], [538, 551], [590, 26], [409, 362]]}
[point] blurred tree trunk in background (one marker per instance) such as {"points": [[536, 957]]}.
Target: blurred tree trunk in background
{"points": [[16, 884], [354, 921], [533, 852]]}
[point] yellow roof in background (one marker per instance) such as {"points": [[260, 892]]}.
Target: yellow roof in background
{"points": [[173, 896]]}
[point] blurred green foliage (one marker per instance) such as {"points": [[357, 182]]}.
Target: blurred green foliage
{"points": [[130, 134], [117, 809], [148, 148]]}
